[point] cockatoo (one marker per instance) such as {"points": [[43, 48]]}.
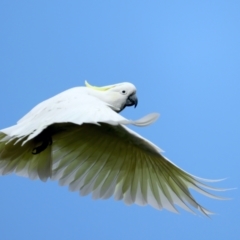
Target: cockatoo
{"points": [[79, 138]]}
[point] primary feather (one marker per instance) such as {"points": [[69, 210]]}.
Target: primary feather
{"points": [[78, 138]]}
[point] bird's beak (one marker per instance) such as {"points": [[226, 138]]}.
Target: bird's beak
{"points": [[132, 100]]}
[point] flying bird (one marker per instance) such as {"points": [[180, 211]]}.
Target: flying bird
{"points": [[79, 138]]}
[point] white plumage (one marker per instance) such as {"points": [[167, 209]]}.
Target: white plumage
{"points": [[78, 138]]}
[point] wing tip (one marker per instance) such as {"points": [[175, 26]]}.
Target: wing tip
{"points": [[146, 120]]}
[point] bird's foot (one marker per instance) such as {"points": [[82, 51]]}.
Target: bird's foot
{"points": [[46, 141]]}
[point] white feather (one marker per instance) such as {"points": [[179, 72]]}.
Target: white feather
{"points": [[94, 152]]}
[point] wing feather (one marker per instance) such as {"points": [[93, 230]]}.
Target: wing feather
{"points": [[110, 161], [19, 159]]}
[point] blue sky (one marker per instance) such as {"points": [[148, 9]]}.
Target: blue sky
{"points": [[183, 57]]}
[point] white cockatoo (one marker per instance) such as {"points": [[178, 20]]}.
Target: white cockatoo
{"points": [[78, 138]]}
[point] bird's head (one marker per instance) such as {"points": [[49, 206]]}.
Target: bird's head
{"points": [[118, 96]]}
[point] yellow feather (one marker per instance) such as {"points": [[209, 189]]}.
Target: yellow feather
{"points": [[98, 88]]}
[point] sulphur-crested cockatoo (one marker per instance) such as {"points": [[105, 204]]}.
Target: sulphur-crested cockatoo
{"points": [[78, 138]]}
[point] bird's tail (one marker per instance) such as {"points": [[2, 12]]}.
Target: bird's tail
{"points": [[19, 158]]}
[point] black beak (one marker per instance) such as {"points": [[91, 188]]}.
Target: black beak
{"points": [[132, 101]]}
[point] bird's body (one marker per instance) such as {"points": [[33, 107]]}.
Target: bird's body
{"points": [[78, 138]]}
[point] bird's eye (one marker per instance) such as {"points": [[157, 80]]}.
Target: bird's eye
{"points": [[124, 92]]}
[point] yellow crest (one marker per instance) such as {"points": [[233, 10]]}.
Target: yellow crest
{"points": [[98, 88]]}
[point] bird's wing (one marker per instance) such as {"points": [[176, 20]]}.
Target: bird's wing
{"points": [[74, 106], [112, 160]]}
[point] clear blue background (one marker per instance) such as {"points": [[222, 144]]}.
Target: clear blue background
{"points": [[183, 57]]}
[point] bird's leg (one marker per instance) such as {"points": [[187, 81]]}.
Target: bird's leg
{"points": [[45, 138]]}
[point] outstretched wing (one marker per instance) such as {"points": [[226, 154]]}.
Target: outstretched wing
{"points": [[112, 160]]}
